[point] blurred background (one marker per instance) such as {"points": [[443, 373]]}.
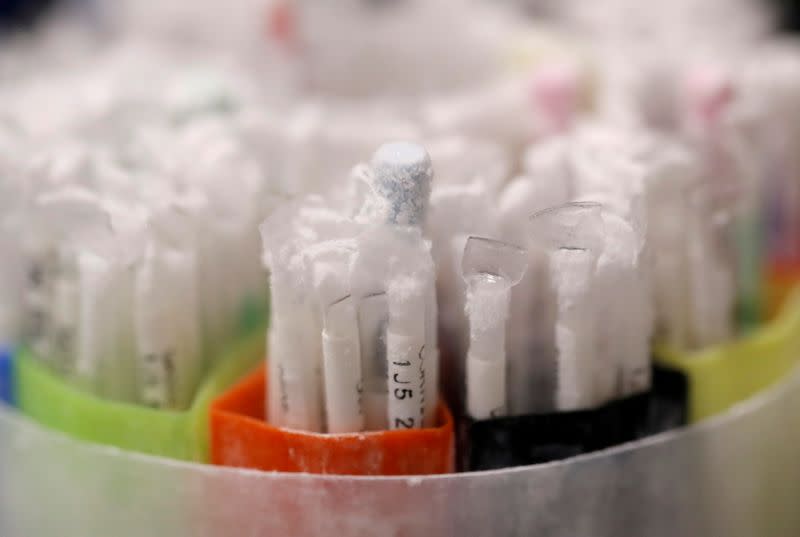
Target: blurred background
{"points": [[25, 14]]}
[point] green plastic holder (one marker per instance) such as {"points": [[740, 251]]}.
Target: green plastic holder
{"points": [[51, 401], [723, 375]]}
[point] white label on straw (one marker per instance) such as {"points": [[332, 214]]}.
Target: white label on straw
{"points": [[406, 368]]}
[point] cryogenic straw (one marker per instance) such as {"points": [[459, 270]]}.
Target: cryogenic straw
{"points": [[65, 304], [711, 270], [277, 234], [747, 227], [298, 357], [155, 342], [490, 268], [105, 362], [95, 336], [76, 221], [731, 177], [574, 328], [167, 324], [373, 317], [431, 355], [37, 322], [405, 352], [399, 178], [342, 366], [328, 264], [169, 367], [572, 233], [95, 252], [670, 172], [296, 360], [624, 335]]}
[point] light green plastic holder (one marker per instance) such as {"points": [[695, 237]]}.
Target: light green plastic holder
{"points": [[179, 435], [724, 375]]}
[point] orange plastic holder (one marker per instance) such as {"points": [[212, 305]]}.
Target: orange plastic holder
{"points": [[241, 437], [782, 276]]}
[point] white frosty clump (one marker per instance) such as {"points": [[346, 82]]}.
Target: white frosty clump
{"points": [[401, 183]]}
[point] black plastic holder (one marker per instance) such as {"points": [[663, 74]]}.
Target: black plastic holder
{"points": [[537, 438]]}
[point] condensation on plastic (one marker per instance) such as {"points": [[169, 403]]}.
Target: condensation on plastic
{"points": [[737, 474]]}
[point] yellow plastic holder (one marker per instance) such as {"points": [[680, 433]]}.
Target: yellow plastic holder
{"points": [[55, 403], [723, 375]]}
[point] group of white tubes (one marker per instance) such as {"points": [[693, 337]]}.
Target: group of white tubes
{"points": [[526, 313], [128, 265], [353, 341]]}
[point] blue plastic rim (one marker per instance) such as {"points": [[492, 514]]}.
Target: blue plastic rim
{"points": [[6, 375]]}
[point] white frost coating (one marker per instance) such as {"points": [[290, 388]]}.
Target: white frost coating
{"points": [[368, 274], [573, 233], [548, 161], [462, 160], [572, 271], [401, 183], [490, 268], [499, 110], [530, 346], [392, 277], [531, 325], [487, 310], [526, 195], [299, 356], [574, 225], [296, 359], [669, 174], [342, 369], [328, 264], [711, 285], [456, 212], [623, 336], [67, 218], [95, 324], [169, 364]]}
